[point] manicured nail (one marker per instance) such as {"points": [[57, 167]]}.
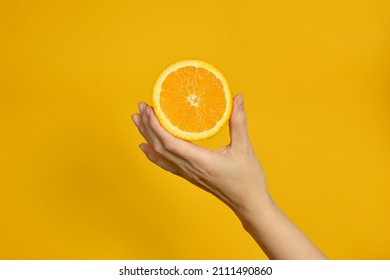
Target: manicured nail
{"points": [[141, 146], [135, 119], [141, 107], [239, 100], [148, 110]]}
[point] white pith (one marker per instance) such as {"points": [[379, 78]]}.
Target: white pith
{"points": [[193, 99]]}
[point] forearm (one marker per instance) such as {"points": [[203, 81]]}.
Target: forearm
{"points": [[220, 172], [275, 233]]}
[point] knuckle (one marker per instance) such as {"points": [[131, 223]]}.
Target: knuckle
{"points": [[170, 146], [242, 121], [141, 130], [159, 149]]}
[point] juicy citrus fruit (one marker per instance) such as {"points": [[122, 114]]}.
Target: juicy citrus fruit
{"points": [[192, 99]]}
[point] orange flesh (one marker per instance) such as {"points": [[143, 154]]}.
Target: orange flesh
{"points": [[198, 93]]}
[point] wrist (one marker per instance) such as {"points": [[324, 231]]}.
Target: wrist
{"points": [[255, 210]]}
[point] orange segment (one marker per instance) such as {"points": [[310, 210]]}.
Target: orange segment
{"points": [[192, 99]]}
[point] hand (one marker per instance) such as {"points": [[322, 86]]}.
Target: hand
{"points": [[232, 173]]}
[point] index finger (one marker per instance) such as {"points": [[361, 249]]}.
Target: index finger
{"points": [[179, 147]]}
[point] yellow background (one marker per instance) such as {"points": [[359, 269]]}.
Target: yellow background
{"points": [[74, 184]]}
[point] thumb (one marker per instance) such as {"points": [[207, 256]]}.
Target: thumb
{"points": [[238, 123]]}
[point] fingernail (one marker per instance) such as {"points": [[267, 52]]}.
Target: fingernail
{"points": [[148, 110], [142, 148], [141, 107], [240, 101], [135, 119]]}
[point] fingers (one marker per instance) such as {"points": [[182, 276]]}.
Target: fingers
{"points": [[179, 147], [170, 147], [150, 153], [156, 158], [238, 124], [147, 132]]}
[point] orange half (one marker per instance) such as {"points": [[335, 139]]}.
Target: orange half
{"points": [[192, 100]]}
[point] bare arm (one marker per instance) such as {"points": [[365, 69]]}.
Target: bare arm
{"points": [[234, 175], [276, 234]]}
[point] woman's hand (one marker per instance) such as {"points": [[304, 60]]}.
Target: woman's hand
{"points": [[232, 173]]}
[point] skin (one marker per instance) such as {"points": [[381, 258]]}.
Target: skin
{"points": [[234, 175]]}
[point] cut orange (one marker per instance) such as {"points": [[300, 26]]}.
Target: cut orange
{"points": [[192, 100]]}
